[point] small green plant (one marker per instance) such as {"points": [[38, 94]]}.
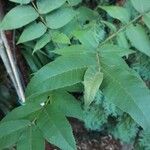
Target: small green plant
{"points": [[76, 47]]}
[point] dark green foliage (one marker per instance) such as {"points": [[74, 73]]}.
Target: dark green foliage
{"points": [[7, 94], [144, 139], [95, 116], [142, 66], [125, 130]]}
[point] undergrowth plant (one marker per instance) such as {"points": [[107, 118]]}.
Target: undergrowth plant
{"points": [[77, 50]]}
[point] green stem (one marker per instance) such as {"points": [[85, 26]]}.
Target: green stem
{"points": [[47, 102], [120, 30]]}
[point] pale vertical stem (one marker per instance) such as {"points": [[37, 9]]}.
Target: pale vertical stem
{"points": [[7, 64], [14, 67]]}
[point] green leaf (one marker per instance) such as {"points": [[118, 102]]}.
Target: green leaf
{"points": [[127, 91], [92, 81], [72, 50], [18, 17], [109, 49], [31, 139], [32, 31], [69, 28], [22, 112], [60, 17], [75, 88], [21, 1], [90, 37], [63, 72], [138, 38], [62, 98], [60, 38], [141, 5], [117, 12], [57, 82], [110, 25], [41, 99], [74, 2], [86, 14], [46, 6], [10, 132], [113, 59], [87, 38], [146, 19], [56, 129], [45, 39], [122, 40], [31, 60]]}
